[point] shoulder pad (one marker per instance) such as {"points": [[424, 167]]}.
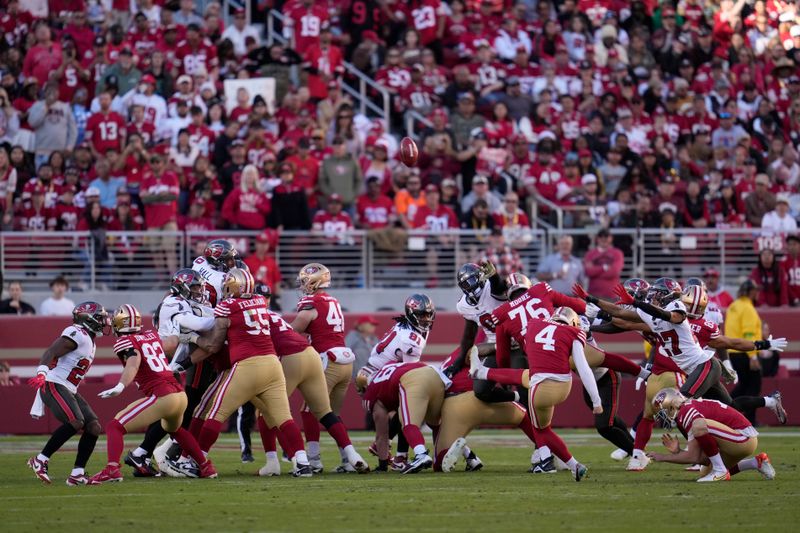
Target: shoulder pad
{"points": [[676, 305]]}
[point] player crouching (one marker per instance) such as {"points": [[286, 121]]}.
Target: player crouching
{"points": [[143, 356], [717, 434]]}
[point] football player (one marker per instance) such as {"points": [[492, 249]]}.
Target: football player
{"points": [[303, 370], [145, 363], [717, 436], [61, 370], [320, 316], [416, 391], [242, 318]]}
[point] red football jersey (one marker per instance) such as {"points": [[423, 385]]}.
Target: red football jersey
{"points": [[287, 341], [66, 217], [549, 345], [791, 265], [424, 16], [385, 385], [327, 330], [249, 330], [461, 382], [154, 378], [704, 331], [306, 24], [191, 60], [712, 410], [440, 220], [374, 213], [106, 131], [513, 317], [332, 225]]}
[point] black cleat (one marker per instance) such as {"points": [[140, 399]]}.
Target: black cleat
{"points": [[303, 471], [142, 466], [547, 466], [174, 452], [247, 457]]}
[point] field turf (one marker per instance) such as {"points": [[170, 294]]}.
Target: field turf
{"points": [[502, 497]]}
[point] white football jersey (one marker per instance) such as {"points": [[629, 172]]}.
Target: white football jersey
{"points": [[214, 279], [71, 367], [486, 304], [402, 344], [677, 340], [714, 314], [174, 306]]}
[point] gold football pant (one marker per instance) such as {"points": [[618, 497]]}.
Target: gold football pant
{"points": [[543, 397], [733, 446], [464, 412], [421, 397], [304, 371], [337, 378], [210, 396], [258, 380], [143, 412]]}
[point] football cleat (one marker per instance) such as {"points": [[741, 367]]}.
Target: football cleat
{"points": [[142, 466], [473, 463], [779, 411], [373, 449], [715, 476], [453, 454], [40, 469], [560, 465], [420, 462], [272, 468], [399, 463], [535, 457], [303, 470], [358, 464], [184, 467], [693, 468], [345, 468], [638, 463], [545, 466], [174, 451], [207, 470], [765, 467], [580, 472], [80, 479], [619, 454], [316, 464], [110, 474], [247, 457], [474, 362]]}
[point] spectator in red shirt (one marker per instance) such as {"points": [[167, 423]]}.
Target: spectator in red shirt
{"points": [[44, 57], [159, 194], [105, 130], [373, 209], [716, 293], [263, 266], [603, 265], [247, 207], [333, 222], [772, 280]]}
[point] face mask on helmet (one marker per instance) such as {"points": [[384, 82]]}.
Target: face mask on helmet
{"points": [[420, 312], [663, 291], [663, 420], [188, 284], [470, 281], [93, 317], [637, 288]]}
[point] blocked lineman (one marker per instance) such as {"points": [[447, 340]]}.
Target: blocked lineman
{"points": [[303, 370], [144, 361], [719, 437], [320, 316], [242, 318], [416, 392]]}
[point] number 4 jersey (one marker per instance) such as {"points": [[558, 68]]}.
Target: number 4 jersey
{"points": [[327, 329], [677, 340], [69, 369], [154, 377]]}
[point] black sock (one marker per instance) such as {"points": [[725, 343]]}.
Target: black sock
{"points": [[638, 419], [152, 437], [58, 438], [618, 437], [85, 449], [402, 443], [749, 403]]}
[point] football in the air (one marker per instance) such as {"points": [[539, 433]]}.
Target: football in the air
{"points": [[409, 153]]}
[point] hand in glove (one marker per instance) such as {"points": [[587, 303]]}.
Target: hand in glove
{"points": [[115, 391]]}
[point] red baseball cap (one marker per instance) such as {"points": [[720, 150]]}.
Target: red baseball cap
{"points": [[366, 320], [712, 273], [148, 78]]}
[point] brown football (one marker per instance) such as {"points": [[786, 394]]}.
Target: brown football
{"points": [[409, 153]]}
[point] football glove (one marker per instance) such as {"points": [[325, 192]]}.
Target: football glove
{"points": [[488, 269], [114, 391], [729, 375], [591, 311], [38, 381], [622, 294]]}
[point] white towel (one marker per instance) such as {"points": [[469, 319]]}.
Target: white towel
{"points": [[37, 409]]}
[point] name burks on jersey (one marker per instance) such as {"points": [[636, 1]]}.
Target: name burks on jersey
{"points": [[486, 304]]}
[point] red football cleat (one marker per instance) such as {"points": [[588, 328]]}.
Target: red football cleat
{"points": [[207, 469], [40, 469], [110, 474]]}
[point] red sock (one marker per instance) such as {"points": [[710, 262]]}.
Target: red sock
{"points": [[734, 470], [506, 376], [310, 426], [643, 433], [189, 445], [268, 435], [621, 363], [554, 442], [196, 426], [527, 427], [115, 440], [339, 434], [293, 438], [437, 462], [708, 444], [209, 434], [413, 436]]}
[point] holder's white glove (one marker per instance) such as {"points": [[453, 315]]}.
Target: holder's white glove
{"points": [[729, 375], [115, 391], [188, 338], [176, 367], [591, 311]]}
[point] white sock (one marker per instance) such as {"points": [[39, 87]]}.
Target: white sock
{"points": [[638, 453], [748, 464], [632, 432], [343, 454], [572, 464], [717, 464], [139, 452], [347, 452], [77, 471], [544, 452], [516, 396], [643, 374], [419, 449], [272, 456], [770, 402], [313, 448], [301, 457], [465, 451], [42, 458], [481, 373]]}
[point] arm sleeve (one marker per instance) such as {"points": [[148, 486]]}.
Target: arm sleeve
{"points": [[585, 373], [195, 323], [562, 300]]}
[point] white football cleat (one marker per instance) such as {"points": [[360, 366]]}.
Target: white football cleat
{"points": [[316, 464], [536, 457], [765, 466], [638, 463], [777, 407], [619, 454], [356, 462], [420, 462], [715, 476], [345, 468], [272, 468], [693, 468], [453, 454]]}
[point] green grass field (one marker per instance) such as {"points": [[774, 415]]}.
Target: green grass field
{"points": [[501, 497]]}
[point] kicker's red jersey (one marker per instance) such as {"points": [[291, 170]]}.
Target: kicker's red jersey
{"points": [[385, 386], [513, 317], [327, 330], [286, 340], [154, 378], [249, 330], [549, 345], [712, 410], [704, 331]]}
